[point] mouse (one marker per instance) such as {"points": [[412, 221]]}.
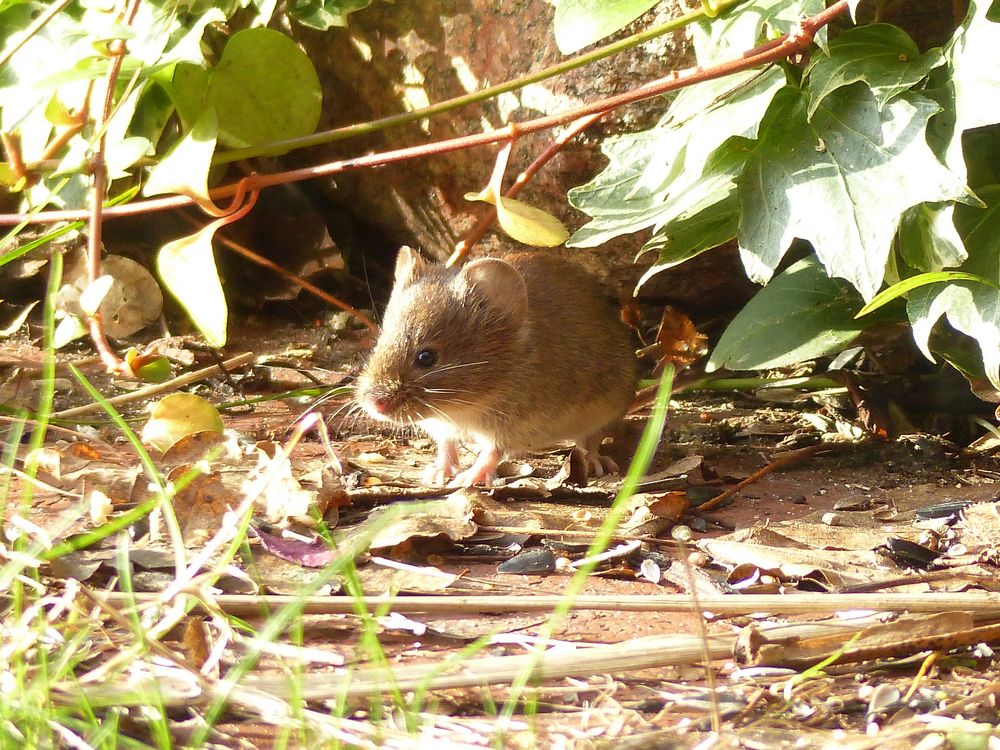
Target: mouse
{"points": [[507, 354]]}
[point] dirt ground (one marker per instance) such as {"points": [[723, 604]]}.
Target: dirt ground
{"points": [[835, 518]]}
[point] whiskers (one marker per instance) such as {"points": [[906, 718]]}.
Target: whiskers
{"points": [[450, 368]]}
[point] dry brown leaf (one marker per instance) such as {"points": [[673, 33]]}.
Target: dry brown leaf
{"points": [[451, 517], [671, 505], [679, 341]]}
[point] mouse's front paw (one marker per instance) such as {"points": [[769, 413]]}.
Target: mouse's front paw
{"points": [[483, 471], [473, 476], [445, 465]]}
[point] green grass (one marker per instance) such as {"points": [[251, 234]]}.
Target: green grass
{"points": [[75, 673]]}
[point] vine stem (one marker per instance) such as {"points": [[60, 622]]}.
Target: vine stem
{"points": [[99, 173], [366, 128], [790, 44]]}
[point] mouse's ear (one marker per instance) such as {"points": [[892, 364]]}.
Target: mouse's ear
{"points": [[499, 283], [410, 265]]}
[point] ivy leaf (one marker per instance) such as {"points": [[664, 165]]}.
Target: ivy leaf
{"points": [[264, 89], [184, 170], [907, 285], [972, 308], [579, 23], [711, 216], [323, 14], [974, 58], [187, 268], [928, 240], [188, 89], [841, 181], [658, 175], [802, 314], [880, 55], [691, 235], [743, 27]]}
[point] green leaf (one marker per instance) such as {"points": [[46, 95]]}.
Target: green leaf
{"points": [[928, 240], [188, 89], [914, 282], [746, 25], [18, 321], [880, 55], [691, 235], [841, 181], [184, 170], [972, 308], [659, 175], [70, 328], [974, 58], [712, 217], [264, 89], [122, 154], [579, 23], [802, 314], [187, 268], [323, 14]]}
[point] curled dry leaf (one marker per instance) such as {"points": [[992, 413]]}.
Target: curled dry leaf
{"points": [[316, 553], [126, 295], [178, 415], [451, 517], [679, 341], [203, 503]]}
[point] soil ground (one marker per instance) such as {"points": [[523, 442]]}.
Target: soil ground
{"points": [[849, 494]]}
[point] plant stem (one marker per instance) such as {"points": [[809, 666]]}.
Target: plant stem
{"points": [[770, 52], [366, 128]]}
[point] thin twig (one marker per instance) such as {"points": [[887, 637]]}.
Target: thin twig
{"points": [[789, 458], [157, 388], [982, 605]]}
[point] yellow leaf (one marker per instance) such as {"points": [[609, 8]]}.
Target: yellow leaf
{"points": [[530, 225], [179, 415], [184, 170], [187, 268]]}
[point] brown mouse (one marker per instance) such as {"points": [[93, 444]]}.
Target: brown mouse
{"points": [[511, 354]]}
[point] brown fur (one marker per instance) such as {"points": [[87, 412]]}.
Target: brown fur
{"points": [[514, 376]]}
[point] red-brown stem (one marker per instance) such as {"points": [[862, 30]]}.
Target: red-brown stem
{"points": [[12, 147], [770, 52], [111, 360]]}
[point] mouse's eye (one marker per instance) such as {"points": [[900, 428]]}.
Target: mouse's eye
{"points": [[425, 358]]}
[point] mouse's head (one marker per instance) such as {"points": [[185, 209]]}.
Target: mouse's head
{"points": [[448, 338]]}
